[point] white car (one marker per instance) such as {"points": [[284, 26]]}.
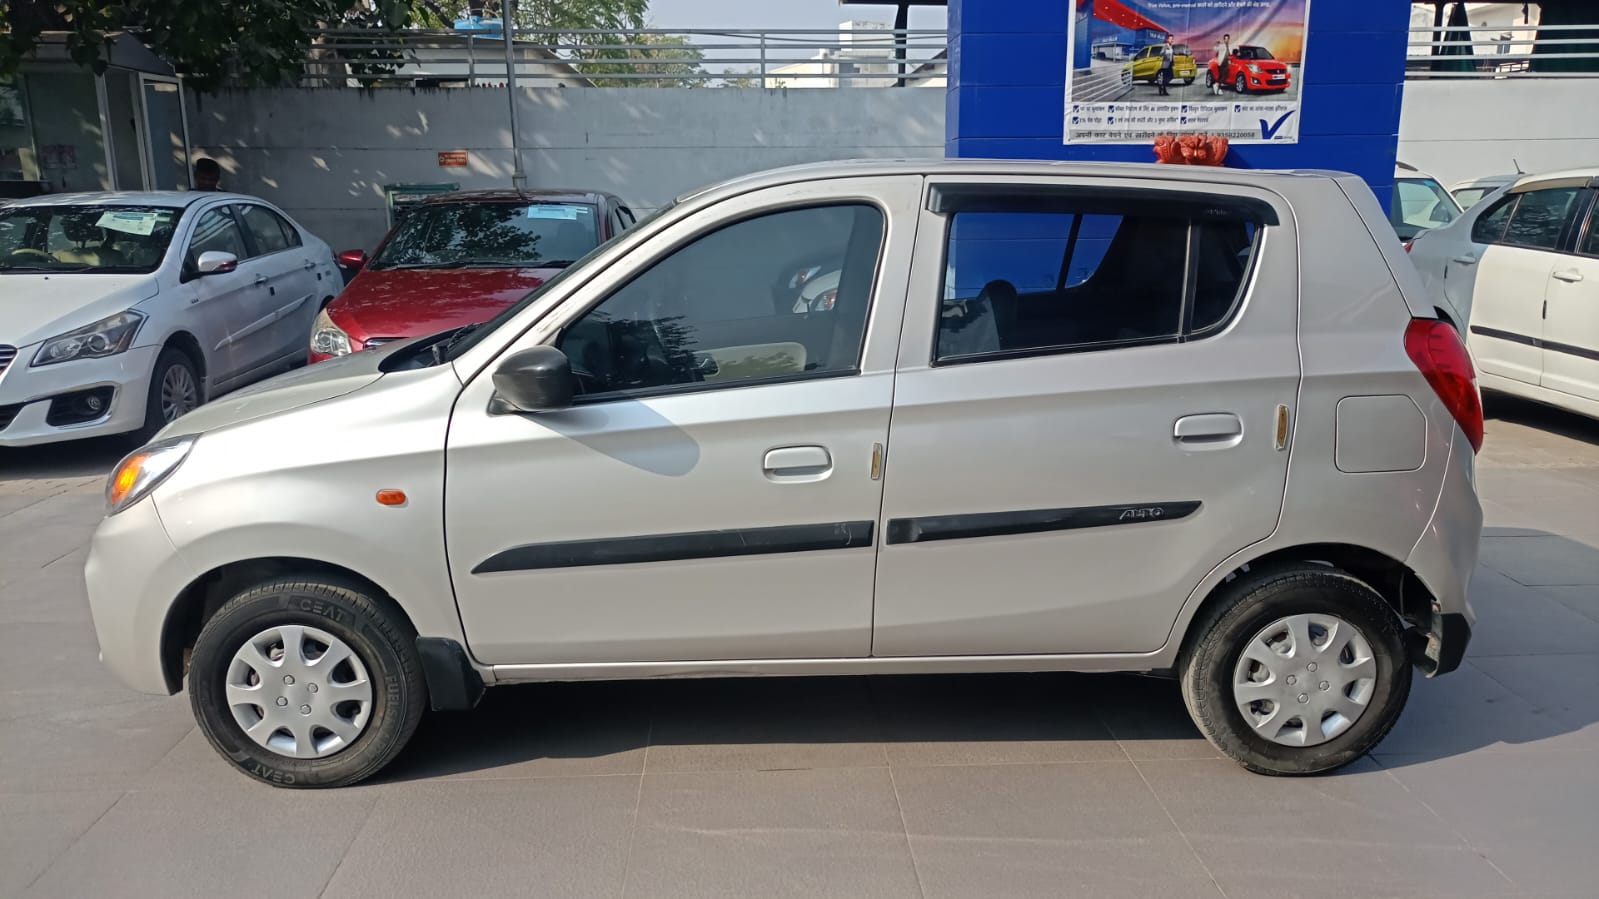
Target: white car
{"points": [[1520, 272], [1420, 203], [119, 312], [1473, 191]]}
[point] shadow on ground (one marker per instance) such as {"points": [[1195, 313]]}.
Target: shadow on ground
{"points": [[1544, 418], [76, 459]]}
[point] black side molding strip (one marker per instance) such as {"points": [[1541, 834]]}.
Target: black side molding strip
{"points": [[1032, 521], [797, 538], [1566, 348]]}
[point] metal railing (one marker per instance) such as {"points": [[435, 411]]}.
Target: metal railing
{"points": [[1496, 51], [645, 57]]}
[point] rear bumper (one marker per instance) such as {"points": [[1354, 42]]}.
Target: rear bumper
{"points": [[1446, 644], [1444, 558]]}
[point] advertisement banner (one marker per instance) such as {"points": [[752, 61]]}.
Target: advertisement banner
{"points": [[1140, 68]]}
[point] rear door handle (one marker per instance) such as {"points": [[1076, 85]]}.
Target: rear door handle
{"points": [[1467, 259], [309, 265], [1570, 277], [797, 463], [1216, 430]]}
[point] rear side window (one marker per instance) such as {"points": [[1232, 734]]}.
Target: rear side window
{"points": [[1540, 218], [1490, 225], [1099, 276], [270, 232], [1590, 241]]}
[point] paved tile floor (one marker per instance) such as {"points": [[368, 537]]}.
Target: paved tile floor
{"points": [[942, 787]]}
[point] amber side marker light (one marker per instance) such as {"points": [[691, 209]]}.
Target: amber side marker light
{"points": [[391, 497], [127, 475]]}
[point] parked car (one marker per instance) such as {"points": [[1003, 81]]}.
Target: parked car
{"points": [[1419, 203], [1145, 64], [460, 258], [969, 463], [120, 312], [1250, 68], [1519, 272], [1471, 192]]}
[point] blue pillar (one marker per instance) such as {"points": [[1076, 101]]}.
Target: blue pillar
{"points": [[1007, 81]]}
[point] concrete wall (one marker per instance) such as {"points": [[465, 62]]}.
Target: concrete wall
{"points": [[324, 155], [1466, 130]]}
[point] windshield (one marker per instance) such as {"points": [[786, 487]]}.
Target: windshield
{"points": [[1181, 50], [1252, 53], [468, 340], [1419, 205], [95, 239], [458, 235]]}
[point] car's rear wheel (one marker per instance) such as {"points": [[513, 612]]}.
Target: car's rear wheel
{"points": [[174, 391], [1187, 81], [1296, 671], [307, 682]]}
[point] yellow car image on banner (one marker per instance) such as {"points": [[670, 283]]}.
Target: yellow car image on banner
{"points": [[1145, 65]]}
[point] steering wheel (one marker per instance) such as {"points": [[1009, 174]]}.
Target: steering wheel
{"points": [[30, 251]]}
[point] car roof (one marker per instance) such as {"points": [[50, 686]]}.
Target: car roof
{"points": [[1485, 181], [541, 195], [957, 167], [179, 198], [1588, 177]]}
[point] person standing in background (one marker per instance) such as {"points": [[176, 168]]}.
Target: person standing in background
{"points": [[1224, 50], [1168, 59], [207, 174]]}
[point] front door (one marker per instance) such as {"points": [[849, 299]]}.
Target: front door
{"points": [[1086, 414], [714, 492], [222, 302], [1571, 328]]}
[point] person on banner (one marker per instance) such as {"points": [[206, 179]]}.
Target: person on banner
{"points": [[1224, 50], [1168, 60]]}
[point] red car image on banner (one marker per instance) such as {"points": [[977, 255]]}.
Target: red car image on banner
{"points": [[1250, 69]]}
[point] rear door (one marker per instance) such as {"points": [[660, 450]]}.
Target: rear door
{"points": [[1513, 276], [1571, 328], [1085, 417]]}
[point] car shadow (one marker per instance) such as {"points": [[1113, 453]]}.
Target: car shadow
{"points": [[77, 459], [1502, 407]]}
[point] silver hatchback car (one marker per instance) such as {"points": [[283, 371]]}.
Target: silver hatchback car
{"points": [[1044, 417]]}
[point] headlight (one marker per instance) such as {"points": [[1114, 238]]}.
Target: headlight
{"points": [[327, 338], [1253, 67], [106, 337], [143, 471]]}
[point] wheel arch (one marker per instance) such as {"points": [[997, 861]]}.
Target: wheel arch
{"points": [[204, 595]]}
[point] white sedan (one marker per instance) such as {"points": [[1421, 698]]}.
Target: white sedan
{"points": [[120, 312], [1519, 273]]}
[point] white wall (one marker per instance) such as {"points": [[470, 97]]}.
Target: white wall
{"points": [[1466, 129], [324, 155]]}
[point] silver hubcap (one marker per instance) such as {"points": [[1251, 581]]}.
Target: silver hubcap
{"points": [[1305, 679], [299, 691], [179, 392]]}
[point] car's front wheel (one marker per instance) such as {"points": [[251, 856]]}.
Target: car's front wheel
{"points": [[1296, 671], [1241, 85], [307, 682], [175, 390]]}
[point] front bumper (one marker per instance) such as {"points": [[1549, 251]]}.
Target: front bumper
{"points": [[26, 394], [133, 576]]}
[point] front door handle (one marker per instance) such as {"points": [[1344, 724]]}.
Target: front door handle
{"points": [[260, 280], [1216, 430], [1570, 277], [1466, 259], [797, 463]]}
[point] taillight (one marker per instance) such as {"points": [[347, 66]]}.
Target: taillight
{"points": [[1436, 349], [1409, 243]]}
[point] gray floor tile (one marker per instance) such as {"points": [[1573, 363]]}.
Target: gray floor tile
{"points": [[1091, 829], [204, 843], [36, 828], [993, 719], [1544, 561], [1468, 711], [83, 741], [1563, 686], [1583, 600], [824, 833], [1515, 620], [546, 836], [1147, 717], [764, 724], [1356, 830], [1535, 818]]}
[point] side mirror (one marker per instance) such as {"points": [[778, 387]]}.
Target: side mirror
{"points": [[216, 262], [355, 260], [534, 380]]}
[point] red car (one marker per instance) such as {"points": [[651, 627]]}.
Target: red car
{"points": [[460, 258], [1250, 69]]}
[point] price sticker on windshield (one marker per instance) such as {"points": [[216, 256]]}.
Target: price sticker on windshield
{"points": [[138, 223], [560, 213]]}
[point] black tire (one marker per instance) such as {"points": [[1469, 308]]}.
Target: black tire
{"points": [[1253, 602], [383, 641], [154, 419], [1187, 81]]}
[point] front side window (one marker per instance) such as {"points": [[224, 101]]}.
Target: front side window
{"points": [[1490, 224], [216, 231], [1540, 218], [1420, 204], [85, 239], [777, 296], [271, 233], [1099, 276], [488, 235]]}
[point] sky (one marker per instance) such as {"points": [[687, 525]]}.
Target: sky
{"points": [[758, 14]]}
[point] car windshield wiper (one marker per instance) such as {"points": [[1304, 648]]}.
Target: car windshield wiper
{"points": [[68, 267], [441, 350], [464, 263]]}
